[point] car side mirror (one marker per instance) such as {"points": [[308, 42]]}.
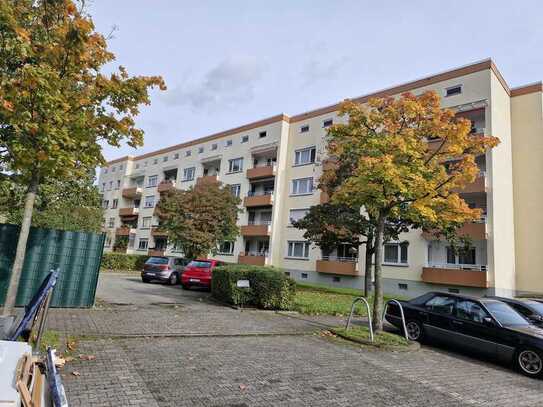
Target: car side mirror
{"points": [[536, 318], [488, 321]]}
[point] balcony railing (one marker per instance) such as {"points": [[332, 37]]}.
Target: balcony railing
{"points": [[259, 222], [261, 171], [253, 258], [128, 211], [165, 186], [255, 230], [131, 192], [341, 259], [125, 231], [346, 266], [259, 193], [456, 266], [258, 199], [467, 275], [207, 179]]}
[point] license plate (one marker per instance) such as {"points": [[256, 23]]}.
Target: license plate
{"points": [[151, 274], [194, 280]]}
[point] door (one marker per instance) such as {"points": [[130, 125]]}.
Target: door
{"points": [[475, 335], [263, 246], [440, 310]]}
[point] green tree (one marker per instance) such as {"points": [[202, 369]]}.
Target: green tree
{"points": [[199, 219], [57, 108], [392, 172]]}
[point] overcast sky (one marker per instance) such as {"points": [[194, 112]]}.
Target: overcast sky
{"points": [[228, 63]]}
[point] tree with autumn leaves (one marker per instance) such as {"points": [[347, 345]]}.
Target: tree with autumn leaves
{"points": [[404, 159], [57, 107]]}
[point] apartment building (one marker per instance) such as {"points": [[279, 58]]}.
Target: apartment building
{"points": [[273, 165]]}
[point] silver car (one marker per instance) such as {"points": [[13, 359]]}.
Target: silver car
{"points": [[163, 269]]}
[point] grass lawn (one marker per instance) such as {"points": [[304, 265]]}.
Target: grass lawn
{"points": [[382, 339], [316, 299]]}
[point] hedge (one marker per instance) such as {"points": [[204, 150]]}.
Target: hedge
{"points": [[270, 287], [122, 262]]}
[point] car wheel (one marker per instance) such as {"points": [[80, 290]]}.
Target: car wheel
{"points": [[173, 279], [145, 280], [415, 331], [185, 286], [530, 362]]}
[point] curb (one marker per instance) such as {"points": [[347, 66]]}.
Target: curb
{"points": [[411, 347]]}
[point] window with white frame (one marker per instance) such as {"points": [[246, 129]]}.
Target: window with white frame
{"points": [[118, 186], [305, 156], [152, 181], [302, 186], [111, 223], [108, 240], [146, 222], [143, 244], [114, 204], [304, 128], [200, 150], [188, 153], [297, 214], [105, 203], [188, 173], [244, 139], [149, 201], [103, 186], [453, 90], [235, 189], [176, 156], [395, 253], [155, 161], [228, 143], [226, 248], [131, 240], [113, 169], [165, 158], [120, 167], [327, 123], [298, 249], [262, 134], [110, 187], [214, 146], [235, 165]]}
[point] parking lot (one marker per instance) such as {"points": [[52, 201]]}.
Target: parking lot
{"points": [[159, 345]]}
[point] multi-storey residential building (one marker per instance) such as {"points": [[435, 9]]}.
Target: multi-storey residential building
{"points": [[274, 165]]}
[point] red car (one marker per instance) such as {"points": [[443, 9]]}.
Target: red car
{"points": [[198, 273]]}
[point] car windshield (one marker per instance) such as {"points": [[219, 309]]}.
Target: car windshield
{"points": [[157, 260], [505, 315], [200, 264], [537, 306]]}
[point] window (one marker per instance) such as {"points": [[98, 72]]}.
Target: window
{"points": [[108, 241], [165, 158], [188, 173], [336, 279], [304, 128], [305, 156], [245, 139], [226, 248], [298, 250], [118, 184], [131, 240], [103, 186], [110, 187], [235, 165], [327, 123], [302, 186], [114, 204], [146, 222], [155, 161], [111, 223], [200, 150], [149, 201], [113, 169], [304, 275], [176, 156], [105, 204], [297, 214], [235, 189], [453, 90], [441, 304], [137, 166], [470, 311], [188, 153], [120, 167], [262, 134], [143, 244], [396, 253], [152, 181], [463, 256], [105, 170], [214, 146], [402, 286], [228, 143]]}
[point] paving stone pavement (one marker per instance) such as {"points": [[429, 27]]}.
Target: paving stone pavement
{"points": [[282, 370]]}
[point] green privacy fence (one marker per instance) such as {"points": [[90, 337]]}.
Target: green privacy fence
{"points": [[76, 254]]}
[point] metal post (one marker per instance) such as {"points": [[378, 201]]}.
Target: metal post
{"points": [[401, 313], [43, 320], [369, 315]]}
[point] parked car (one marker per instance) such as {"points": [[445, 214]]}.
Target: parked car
{"points": [[484, 326], [164, 269], [530, 309], [198, 273]]}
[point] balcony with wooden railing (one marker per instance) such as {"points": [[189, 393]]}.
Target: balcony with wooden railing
{"points": [[261, 228], [473, 230], [258, 199], [207, 179], [125, 231], [128, 212], [345, 266], [262, 171], [253, 258], [156, 231], [466, 275], [165, 186], [131, 192], [156, 252]]}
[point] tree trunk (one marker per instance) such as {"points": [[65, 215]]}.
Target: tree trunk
{"points": [[11, 296], [378, 294], [368, 264]]}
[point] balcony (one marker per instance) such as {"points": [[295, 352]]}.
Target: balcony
{"points": [[165, 186], [467, 275], [259, 229], [474, 230], [156, 252], [125, 231], [157, 232], [124, 212], [345, 266], [207, 179], [262, 199], [265, 171], [131, 193], [252, 259]]}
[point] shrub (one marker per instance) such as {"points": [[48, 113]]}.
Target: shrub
{"points": [[123, 262], [270, 288]]}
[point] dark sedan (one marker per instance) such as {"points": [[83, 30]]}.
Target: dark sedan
{"points": [[483, 325], [530, 309]]}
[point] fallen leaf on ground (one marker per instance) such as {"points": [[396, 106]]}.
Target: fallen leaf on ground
{"points": [[71, 345], [243, 387], [68, 359], [60, 361], [87, 357], [76, 373]]}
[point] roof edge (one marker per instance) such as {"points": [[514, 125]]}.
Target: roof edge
{"points": [[526, 89]]}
